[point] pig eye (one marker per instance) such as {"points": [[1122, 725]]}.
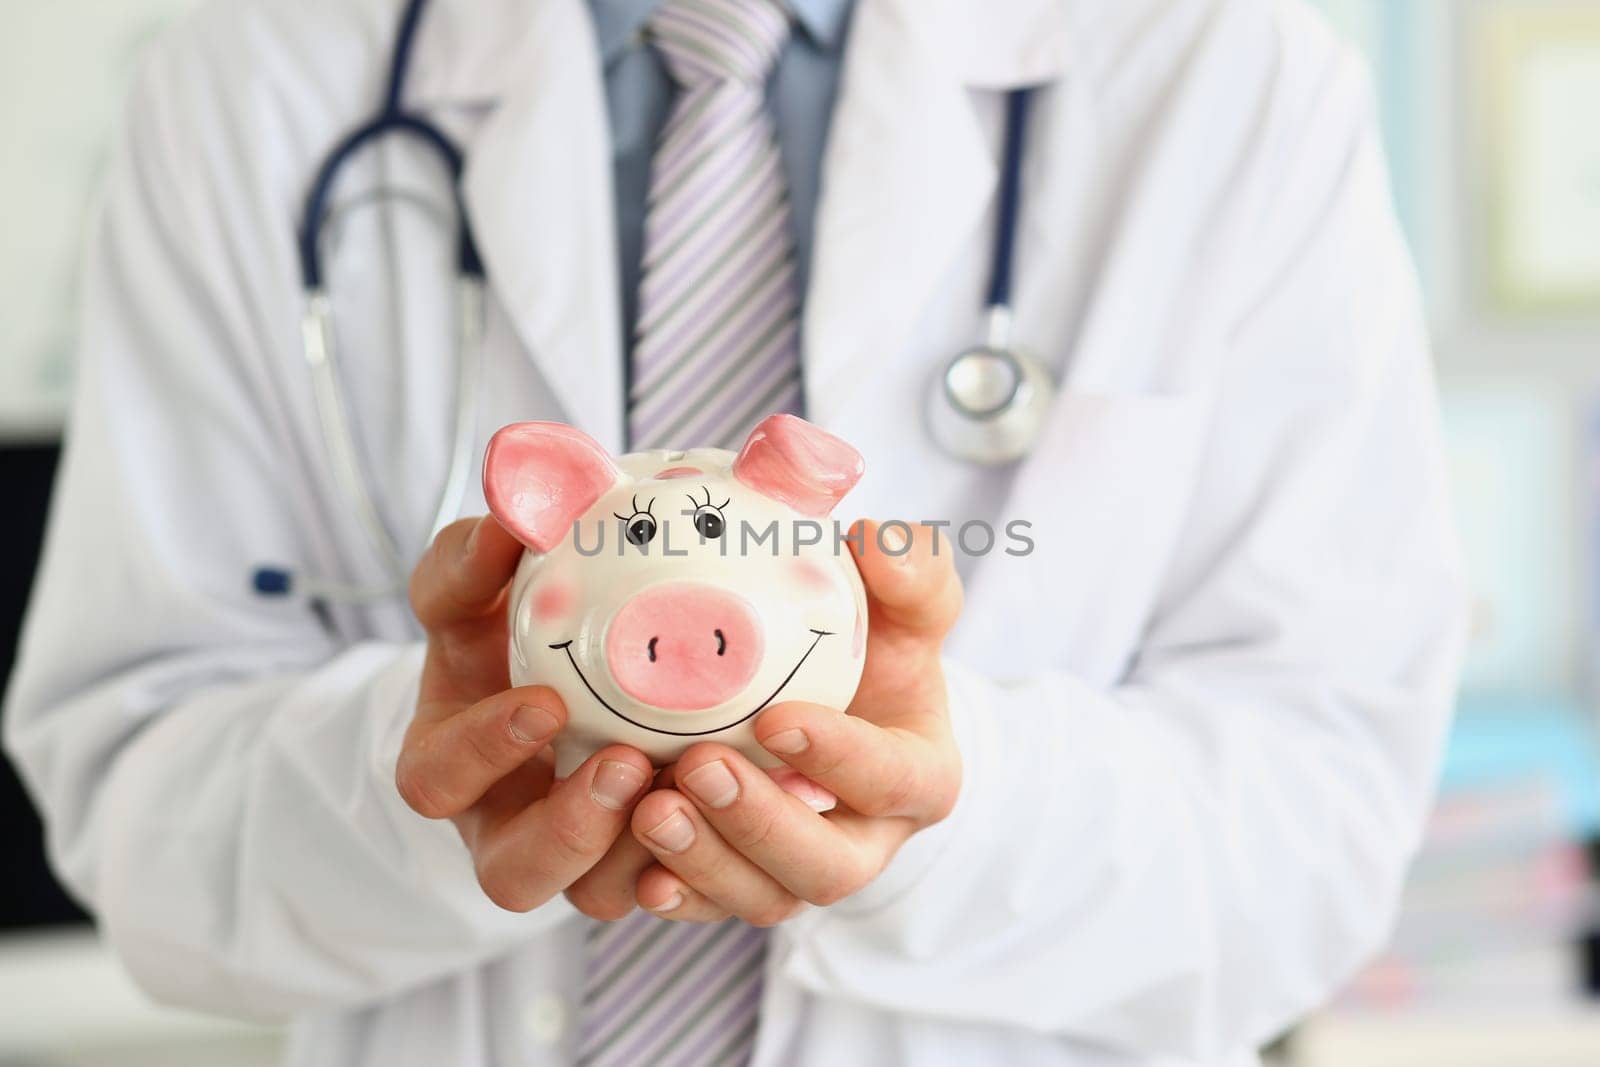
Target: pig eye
{"points": [[708, 520], [640, 527], [641, 530]]}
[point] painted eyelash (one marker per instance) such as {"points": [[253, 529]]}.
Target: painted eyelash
{"points": [[707, 504], [649, 509]]}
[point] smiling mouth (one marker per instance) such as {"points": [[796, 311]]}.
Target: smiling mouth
{"points": [[566, 646]]}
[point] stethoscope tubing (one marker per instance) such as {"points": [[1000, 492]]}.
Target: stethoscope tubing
{"points": [[1010, 206], [321, 348], [468, 262], [989, 402], [1031, 385]]}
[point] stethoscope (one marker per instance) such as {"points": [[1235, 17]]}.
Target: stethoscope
{"points": [[322, 354], [987, 405]]}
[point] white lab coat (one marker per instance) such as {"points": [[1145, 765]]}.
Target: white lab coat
{"points": [[1200, 722]]}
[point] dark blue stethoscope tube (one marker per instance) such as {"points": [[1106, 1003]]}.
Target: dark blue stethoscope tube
{"points": [[392, 118], [1005, 230], [987, 405]]}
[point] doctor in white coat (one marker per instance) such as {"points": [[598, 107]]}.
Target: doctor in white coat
{"points": [[1198, 726]]}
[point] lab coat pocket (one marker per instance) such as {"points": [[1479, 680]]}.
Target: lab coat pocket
{"points": [[1103, 499]]}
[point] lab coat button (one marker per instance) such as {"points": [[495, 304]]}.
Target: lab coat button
{"points": [[546, 1019]]}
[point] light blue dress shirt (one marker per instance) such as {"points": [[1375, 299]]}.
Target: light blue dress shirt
{"points": [[639, 95]]}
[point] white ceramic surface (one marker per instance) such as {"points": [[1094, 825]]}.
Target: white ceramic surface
{"points": [[721, 626]]}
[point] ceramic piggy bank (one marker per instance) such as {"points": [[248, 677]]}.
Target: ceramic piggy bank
{"points": [[669, 597]]}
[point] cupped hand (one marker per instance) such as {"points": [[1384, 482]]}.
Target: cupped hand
{"points": [[478, 753], [719, 837]]}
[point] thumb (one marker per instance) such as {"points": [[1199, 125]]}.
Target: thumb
{"points": [[460, 578], [910, 574]]}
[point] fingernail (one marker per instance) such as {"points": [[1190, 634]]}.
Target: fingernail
{"points": [[472, 538], [714, 784], [670, 904], [674, 833], [787, 742], [615, 784], [529, 724], [803, 789], [811, 794], [893, 538]]}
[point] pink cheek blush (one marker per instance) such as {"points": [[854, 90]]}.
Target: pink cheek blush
{"points": [[812, 577], [553, 601], [858, 639]]}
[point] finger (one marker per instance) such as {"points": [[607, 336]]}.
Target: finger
{"points": [[543, 849], [510, 796], [910, 575], [665, 894], [461, 577], [607, 890], [682, 841], [910, 769], [806, 854], [449, 759], [913, 598]]}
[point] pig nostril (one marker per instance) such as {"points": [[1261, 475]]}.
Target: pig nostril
{"points": [[722, 645]]}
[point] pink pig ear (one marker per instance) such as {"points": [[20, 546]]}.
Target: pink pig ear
{"points": [[540, 477], [794, 462]]}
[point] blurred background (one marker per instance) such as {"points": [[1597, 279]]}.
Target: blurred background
{"points": [[1488, 109]]}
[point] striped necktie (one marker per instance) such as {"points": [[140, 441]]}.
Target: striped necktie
{"points": [[716, 345], [716, 350]]}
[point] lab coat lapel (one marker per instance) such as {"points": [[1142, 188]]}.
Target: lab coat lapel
{"points": [[904, 181], [909, 171], [538, 190]]}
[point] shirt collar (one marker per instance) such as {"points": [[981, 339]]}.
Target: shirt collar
{"points": [[475, 50], [618, 22], [822, 20]]}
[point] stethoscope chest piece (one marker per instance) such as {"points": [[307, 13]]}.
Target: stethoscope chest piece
{"points": [[988, 404]]}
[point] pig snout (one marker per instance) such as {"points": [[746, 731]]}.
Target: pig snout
{"points": [[684, 646]]}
